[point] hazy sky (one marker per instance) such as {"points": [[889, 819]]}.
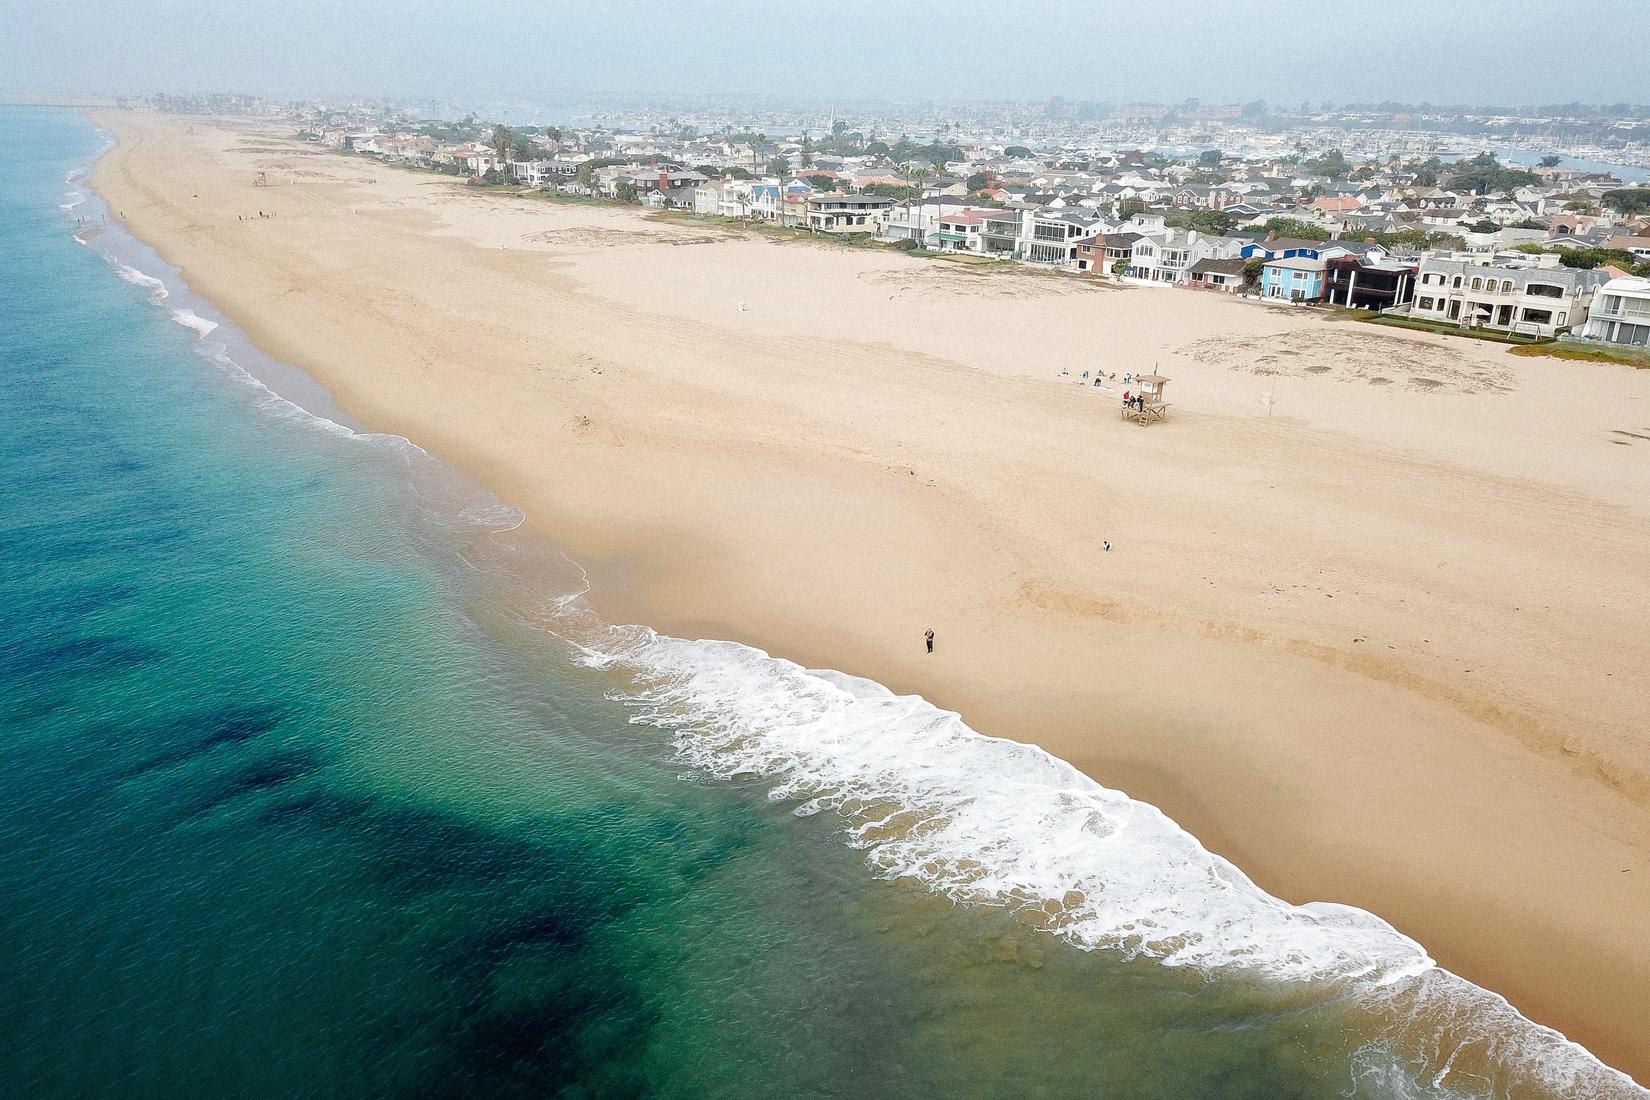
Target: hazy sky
{"points": [[1454, 51]]}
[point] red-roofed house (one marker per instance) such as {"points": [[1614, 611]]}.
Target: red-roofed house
{"points": [[964, 230]]}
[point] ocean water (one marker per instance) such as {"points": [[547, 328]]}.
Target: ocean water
{"points": [[319, 780]]}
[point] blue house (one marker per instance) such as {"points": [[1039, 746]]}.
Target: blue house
{"points": [[1284, 248], [1294, 278]]}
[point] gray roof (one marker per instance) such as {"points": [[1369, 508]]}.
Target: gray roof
{"points": [[1571, 278]]}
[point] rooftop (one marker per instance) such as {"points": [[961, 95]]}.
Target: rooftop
{"points": [[1298, 263]]}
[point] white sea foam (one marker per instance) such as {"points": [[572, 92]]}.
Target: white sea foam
{"points": [[267, 398], [987, 820], [493, 513], [188, 318], [157, 289], [990, 820]]}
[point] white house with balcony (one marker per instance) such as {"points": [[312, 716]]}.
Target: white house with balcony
{"points": [[964, 230], [1167, 255], [919, 219], [1536, 298], [1051, 236], [836, 212], [1620, 313]]}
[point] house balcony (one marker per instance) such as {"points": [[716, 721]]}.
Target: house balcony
{"points": [[953, 238], [1639, 313]]}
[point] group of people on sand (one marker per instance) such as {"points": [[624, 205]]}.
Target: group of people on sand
{"points": [[1133, 401], [1099, 376], [248, 217]]}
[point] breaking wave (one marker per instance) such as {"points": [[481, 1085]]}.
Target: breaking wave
{"points": [[985, 820]]}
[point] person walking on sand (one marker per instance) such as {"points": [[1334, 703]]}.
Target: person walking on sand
{"points": [[928, 639]]}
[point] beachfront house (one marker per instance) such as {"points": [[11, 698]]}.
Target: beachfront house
{"points": [[707, 198], [1052, 235], [1362, 282], [1104, 253], [962, 230], [537, 173], [835, 212], [1535, 297], [1293, 278], [1212, 274], [1166, 255], [1620, 313], [919, 219], [780, 205], [1000, 232]]}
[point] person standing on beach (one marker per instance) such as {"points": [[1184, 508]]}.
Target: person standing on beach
{"points": [[928, 638]]}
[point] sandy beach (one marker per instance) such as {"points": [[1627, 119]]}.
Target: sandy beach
{"points": [[1372, 625]]}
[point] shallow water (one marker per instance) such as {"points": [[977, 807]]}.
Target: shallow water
{"points": [[319, 781]]}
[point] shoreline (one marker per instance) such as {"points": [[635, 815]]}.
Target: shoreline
{"points": [[1020, 685]]}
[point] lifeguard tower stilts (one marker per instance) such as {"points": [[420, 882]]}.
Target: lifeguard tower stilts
{"points": [[1151, 408]]}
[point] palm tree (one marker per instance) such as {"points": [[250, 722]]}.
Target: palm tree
{"points": [[917, 176], [503, 141]]}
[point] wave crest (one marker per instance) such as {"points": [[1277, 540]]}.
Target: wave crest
{"points": [[985, 820]]}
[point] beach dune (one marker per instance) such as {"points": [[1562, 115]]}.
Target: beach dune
{"points": [[1373, 621]]}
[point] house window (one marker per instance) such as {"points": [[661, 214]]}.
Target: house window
{"points": [[1456, 284], [1539, 316], [1544, 290], [1506, 286], [1478, 284]]}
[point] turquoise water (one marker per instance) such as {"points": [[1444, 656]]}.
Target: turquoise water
{"points": [[318, 782]]}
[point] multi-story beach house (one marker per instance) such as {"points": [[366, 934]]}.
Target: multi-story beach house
{"points": [[1102, 254], [782, 205], [536, 173], [919, 219], [963, 230], [1167, 255], [1051, 236], [835, 212], [1536, 297], [1363, 282], [1293, 278], [1000, 231], [1620, 313]]}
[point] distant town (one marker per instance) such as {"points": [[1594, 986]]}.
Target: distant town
{"points": [[1525, 227]]}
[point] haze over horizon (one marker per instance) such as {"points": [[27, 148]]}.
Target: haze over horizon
{"points": [[518, 51]]}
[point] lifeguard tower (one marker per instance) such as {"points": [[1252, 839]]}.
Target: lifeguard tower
{"points": [[1151, 407]]}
